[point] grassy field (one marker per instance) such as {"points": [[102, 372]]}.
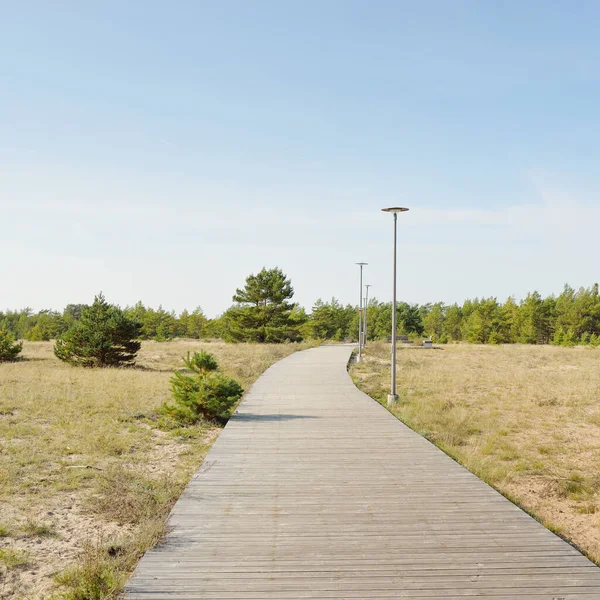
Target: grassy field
{"points": [[526, 419], [89, 471]]}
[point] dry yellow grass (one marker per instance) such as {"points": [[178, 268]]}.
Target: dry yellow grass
{"points": [[88, 471], [526, 419]]}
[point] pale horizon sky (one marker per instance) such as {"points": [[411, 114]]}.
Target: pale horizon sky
{"points": [[164, 151]]}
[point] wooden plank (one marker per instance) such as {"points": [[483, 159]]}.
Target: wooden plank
{"points": [[313, 490]]}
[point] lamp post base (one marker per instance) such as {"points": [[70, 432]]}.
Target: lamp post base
{"points": [[358, 358], [392, 398]]}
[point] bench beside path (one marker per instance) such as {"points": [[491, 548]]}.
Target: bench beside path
{"points": [[314, 490]]}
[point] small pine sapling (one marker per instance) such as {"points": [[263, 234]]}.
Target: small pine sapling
{"points": [[9, 348], [205, 394], [201, 362]]}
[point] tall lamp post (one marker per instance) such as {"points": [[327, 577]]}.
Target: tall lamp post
{"points": [[360, 299], [367, 286], [392, 396]]}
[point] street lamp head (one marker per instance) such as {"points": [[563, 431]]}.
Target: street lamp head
{"points": [[395, 209], [361, 264]]}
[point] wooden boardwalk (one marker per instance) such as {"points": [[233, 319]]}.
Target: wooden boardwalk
{"points": [[313, 490]]}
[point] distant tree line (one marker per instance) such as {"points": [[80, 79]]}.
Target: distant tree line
{"points": [[569, 319], [154, 324], [263, 312]]}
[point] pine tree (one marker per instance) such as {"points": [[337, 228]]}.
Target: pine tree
{"points": [[205, 393], [473, 328], [104, 336], [433, 322], [510, 321], [328, 320], [9, 348], [409, 318], [452, 323], [197, 323], [537, 319], [263, 312]]}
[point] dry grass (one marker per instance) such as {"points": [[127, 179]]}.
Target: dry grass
{"points": [[526, 419], [88, 471]]}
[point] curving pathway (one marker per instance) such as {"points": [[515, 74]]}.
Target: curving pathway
{"points": [[313, 490]]}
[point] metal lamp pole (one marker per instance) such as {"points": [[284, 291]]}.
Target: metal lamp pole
{"points": [[392, 396], [363, 321], [367, 286], [359, 358]]}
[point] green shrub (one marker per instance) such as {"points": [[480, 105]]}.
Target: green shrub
{"points": [[36, 334], [201, 362], [9, 349], [206, 394], [103, 337]]}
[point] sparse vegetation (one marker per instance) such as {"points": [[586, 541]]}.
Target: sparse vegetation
{"points": [[89, 468], [35, 528], [99, 574], [11, 559], [526, 419], [126, 496]]}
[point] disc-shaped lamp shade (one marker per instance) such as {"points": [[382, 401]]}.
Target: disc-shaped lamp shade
{"points": [[395, 209]]}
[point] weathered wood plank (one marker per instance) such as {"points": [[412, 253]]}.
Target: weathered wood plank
{"points": [[315, 491]]}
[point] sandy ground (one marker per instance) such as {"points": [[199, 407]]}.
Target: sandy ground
{"points": [[49, 555]]}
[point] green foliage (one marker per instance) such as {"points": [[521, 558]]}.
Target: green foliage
{"points": [[158, 325], [155, 324], [104, 336], [330, 320], [536, 319], [194, 325], [483, 325], [571, 319], [262, 312], [205, 394], [9, 348], [46, 325], [408, 319], [433, 322], [201, 362]]}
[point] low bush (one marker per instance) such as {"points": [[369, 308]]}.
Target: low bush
{"points": [[203, 394], [9, 348]]}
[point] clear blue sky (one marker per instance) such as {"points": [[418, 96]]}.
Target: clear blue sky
{"points": [[163, 151]]}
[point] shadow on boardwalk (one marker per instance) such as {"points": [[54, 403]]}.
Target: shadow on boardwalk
{"points": [[273, 417]]}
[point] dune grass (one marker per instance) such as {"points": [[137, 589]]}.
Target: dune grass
{"points": [[526, 419], [89, 470]]}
